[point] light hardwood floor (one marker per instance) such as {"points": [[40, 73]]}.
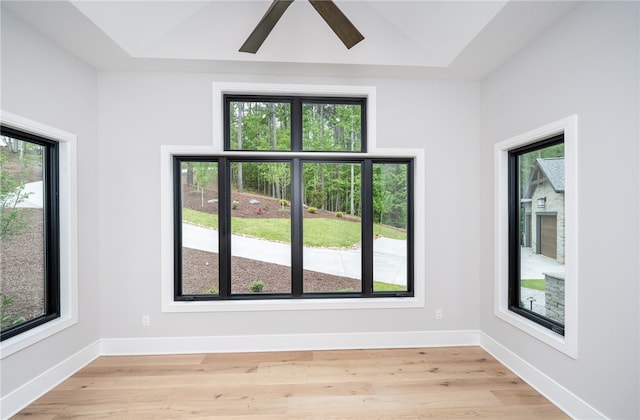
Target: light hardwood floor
{"points": [[451, 383]]}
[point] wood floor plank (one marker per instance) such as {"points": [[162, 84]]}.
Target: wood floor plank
{"points": [[407, 403], [446, 383], [156, 360], [276, 356], [510, 385]]}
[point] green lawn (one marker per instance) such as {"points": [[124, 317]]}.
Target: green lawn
{"points": [[533, 284], [200, 218], [379, 286], [272, 229], [319, 232]]}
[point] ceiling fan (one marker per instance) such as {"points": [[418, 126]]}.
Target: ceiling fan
{"points": [[334, 17]]}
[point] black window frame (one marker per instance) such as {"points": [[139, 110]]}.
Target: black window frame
{"points": [[296, 157], [296, 103], [224, 163], [51, 229], [514, 245]]}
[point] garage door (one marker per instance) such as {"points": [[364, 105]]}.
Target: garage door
{"points": [[548, 236]]}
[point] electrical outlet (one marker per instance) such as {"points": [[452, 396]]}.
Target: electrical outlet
{"points": [[146, 320], [438, 313]]}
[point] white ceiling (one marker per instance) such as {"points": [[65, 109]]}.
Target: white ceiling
{"points": [[443, 39]]}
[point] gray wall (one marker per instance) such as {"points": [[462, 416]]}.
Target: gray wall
{"points": [[139, 112], [45, 84], [587, 64]]}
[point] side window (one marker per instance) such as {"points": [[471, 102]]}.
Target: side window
{"points": [[537, 232], [29, 232]]}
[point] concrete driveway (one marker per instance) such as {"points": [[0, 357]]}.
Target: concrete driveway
{"points": [[34, 193], [533, 266], [389, 259]]}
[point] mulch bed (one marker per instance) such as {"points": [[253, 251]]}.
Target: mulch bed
{"points": [[22, 268], [267, 208], [200, 274], [21, 256]]}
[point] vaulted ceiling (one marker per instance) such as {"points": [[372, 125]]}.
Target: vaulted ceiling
{"points": [[415, 39]]}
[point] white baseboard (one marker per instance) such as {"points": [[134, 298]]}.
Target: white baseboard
{"points": [[284, 342], [552, 390], [18, 399]]}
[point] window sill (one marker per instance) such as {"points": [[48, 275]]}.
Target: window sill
{"points": [[33, 336], [564, 344], [292, 305]]}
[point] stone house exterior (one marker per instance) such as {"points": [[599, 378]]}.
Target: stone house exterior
{"points": [[543, 202]]}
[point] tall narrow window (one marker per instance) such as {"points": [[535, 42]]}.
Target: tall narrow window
{"points": [[332, 227], [260, 228], [29, 232], [197, 258], [537, 232], [391, 210]]}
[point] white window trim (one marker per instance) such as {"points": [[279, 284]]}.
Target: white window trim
{"points": [[68, 234], [567, 344], [167, 152]]}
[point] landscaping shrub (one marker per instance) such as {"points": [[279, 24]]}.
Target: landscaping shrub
{"points": [[256, 286]]}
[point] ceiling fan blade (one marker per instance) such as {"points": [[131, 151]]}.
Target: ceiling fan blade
{"points": [[265, 26], [334, 17]]}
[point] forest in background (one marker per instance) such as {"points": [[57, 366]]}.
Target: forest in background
{"points": [[332, 186]]}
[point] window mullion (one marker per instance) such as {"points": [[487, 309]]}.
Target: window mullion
{"points": [[296, 125], [366, 200], [296, 229], [224, 227], [363, 127], [226, 123]]}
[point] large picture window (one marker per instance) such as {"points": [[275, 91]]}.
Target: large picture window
{"points": [[29, 231], [293, 208]]}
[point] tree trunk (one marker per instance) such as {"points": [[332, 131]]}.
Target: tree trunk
{"points": [[272, 107], [351, 202], [323, 207], [240, 112], [189, 173]]}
